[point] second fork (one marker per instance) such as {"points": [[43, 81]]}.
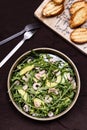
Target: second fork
{"points": [[28, 27]]}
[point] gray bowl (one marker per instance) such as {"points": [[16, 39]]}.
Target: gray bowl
{"points": [[62, 56]]}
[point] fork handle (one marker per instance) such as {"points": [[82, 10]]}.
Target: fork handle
{"points": [[11, 37], [11, 53]]}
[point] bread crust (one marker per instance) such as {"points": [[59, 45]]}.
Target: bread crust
{"points": [[59, 1], [79, 35], [52, 9]]}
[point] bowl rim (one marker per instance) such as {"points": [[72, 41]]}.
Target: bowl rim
{"points": [[62, 56]]}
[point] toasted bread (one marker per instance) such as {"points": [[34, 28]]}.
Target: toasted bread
{"points": [[78, 18], [79, 35], [76, 6], [58, 1], [52, 9]]}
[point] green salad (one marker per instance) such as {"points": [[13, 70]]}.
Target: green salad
{"points": [[43, 85]]}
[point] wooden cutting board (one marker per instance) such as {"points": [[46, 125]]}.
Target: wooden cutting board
{"points": [[60, 23]]}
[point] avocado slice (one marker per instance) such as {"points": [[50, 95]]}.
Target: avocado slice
{"points": [[26, 69], [38, 102], [53, 84], [23, 94]]}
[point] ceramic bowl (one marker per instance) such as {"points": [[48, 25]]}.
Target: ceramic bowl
{"points": [[59, 55]]}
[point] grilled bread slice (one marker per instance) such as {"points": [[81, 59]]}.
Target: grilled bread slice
{"points": [[76, 6], [59, 1], [78, 18], [79, 35], [52, 9]]}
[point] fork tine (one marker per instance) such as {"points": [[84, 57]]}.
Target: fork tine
{"points": [[32, 26]]}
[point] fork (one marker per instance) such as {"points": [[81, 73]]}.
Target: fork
{"points": [[27, 35], [27, 28]]}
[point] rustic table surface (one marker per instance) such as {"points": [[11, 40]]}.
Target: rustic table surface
{"points": [[14, 15]]}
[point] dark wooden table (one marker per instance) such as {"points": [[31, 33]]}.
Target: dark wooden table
{"points": [[14, 15]]}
